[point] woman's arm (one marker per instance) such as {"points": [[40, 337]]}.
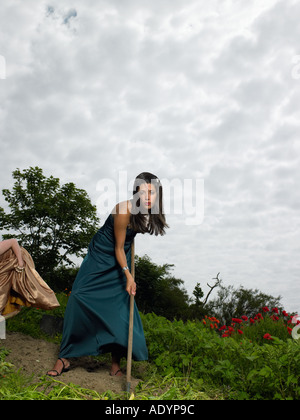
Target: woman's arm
{"points": [[14, 245], [121, 221]]}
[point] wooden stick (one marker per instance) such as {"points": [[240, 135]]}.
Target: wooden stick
{"points": [[130, 331]]}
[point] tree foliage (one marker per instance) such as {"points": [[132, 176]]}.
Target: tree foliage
{"points": [[52, 221], [234, 302], [158, 291]]}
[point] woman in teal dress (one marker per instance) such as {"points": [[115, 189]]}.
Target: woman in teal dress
{"points": [[97, 316]]}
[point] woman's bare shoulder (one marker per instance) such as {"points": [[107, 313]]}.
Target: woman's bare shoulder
{"points": [[122, 209]]}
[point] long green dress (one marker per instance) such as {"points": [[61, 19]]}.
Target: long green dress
{"points": [[97, 315]]}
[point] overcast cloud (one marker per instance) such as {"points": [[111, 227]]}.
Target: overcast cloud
{"points": [[186, 89]]}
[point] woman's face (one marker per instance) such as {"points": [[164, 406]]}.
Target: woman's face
{"points": [[147, 195]]}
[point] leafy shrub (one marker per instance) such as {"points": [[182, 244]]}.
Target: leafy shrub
{"points": [[261, 327], [245, 369]]}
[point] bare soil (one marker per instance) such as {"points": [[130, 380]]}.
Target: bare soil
{"points": [[36, 356]]}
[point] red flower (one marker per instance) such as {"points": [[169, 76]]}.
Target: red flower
{"points": [[266, 309], [240, 332], [245, 318], [284, 313], [239, 321], [275, 310], [252, 320], [290, 330], [268, 337], [223, 328]]}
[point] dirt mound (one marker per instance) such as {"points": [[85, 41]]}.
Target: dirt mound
{"points": [[35, 356]]}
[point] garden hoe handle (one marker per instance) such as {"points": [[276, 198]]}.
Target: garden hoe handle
{"points": [[130, 332]]}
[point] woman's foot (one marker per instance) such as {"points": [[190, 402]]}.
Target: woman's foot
{"points": [[61, 366], [117, 372], [115, 366]]}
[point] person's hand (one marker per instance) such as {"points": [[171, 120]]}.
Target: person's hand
{"points": [[130, 285], [19, 269]]}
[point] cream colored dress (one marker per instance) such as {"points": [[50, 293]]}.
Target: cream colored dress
{"points": [[26, 288]]}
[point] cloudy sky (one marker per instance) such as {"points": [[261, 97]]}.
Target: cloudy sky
{"points": [[186, 89]]}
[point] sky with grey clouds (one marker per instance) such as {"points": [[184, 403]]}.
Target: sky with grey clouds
{"points": [[186, 89]]}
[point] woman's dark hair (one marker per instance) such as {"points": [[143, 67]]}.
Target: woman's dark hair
{"points": [[156, 224]]}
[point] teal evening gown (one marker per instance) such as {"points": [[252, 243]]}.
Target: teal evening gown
{"points": [[97, 315]]}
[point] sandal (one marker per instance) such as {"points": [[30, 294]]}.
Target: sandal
{"points": [[64, 369]]}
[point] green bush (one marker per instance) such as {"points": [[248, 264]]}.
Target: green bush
{"points": [[244, 369]]}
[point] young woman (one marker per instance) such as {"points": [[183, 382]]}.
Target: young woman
{"points": [[20, 283], [97, 315]]}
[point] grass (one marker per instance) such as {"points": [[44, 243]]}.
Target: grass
{"points": [[15, 385], [188, 361]]}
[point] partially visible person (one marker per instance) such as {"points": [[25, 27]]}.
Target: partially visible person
{"points": [[14, 245], [20, 284]]}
